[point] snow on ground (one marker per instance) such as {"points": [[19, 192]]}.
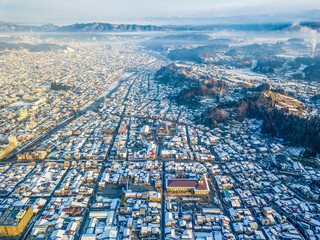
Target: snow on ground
{"points": [[115, 84], [293, 151], [112, 87], [246, 74], [20, 104], [126, 75]]}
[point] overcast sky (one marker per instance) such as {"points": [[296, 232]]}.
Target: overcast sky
{"points": [[72, 11]]}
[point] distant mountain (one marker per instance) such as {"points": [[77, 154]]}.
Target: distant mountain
{"points": [[82, 27], [26, 28], [185, 37], [13, 27], [266, 22], [299, 26], [312, 15], [48, 27], [107, 27]]}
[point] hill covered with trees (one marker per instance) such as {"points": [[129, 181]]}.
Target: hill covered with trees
{"points": [[282, 116]]}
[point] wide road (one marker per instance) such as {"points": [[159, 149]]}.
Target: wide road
{"points": [[163, 201]]}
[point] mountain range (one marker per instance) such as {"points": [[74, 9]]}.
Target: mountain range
{"points": [[243, 23], [82, 27], [107, 27], [306, 16]]}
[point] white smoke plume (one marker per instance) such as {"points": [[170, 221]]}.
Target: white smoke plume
{"points": [[314, 44], [308, 34]]}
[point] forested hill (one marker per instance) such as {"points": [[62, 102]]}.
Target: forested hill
{"points": [[282, 116]]}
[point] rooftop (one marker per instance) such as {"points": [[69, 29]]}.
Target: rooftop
{"points": [[13, 215], [188, 183]]}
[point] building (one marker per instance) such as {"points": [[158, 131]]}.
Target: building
{"points": [[6, 149], [183, 186], [23, 114], [145, 130], [122, 129], [14, 220]]}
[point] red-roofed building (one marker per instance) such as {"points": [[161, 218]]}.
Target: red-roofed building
{"points": [[73, 211], [182, 186]]}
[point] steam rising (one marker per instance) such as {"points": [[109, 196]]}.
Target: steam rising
{"points": [[308, 33], [314, 44]]}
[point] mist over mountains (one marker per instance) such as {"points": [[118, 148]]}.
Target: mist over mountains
{"points": [[107, 27], [312, 15], [81, 27], [237, 23]]}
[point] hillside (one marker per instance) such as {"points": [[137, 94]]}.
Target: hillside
{"points": [[282, 101], [174, 75], [196, 54], [192, 96], [282, 116]]}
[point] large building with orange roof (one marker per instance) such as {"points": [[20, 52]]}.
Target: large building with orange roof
{"points": [[185, 186]]}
